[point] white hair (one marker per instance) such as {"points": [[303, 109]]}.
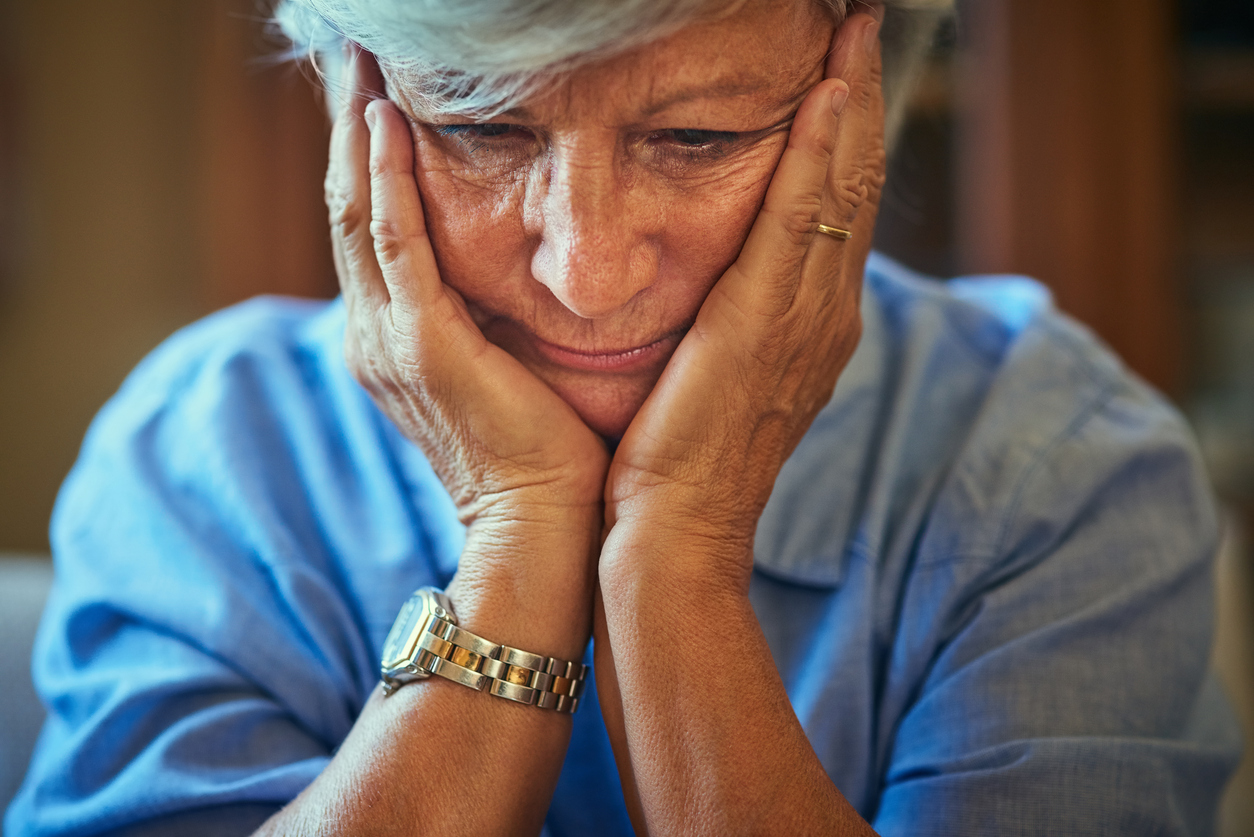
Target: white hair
{"points": [[484, 56]]}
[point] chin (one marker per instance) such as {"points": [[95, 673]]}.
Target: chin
{"points": [[609, 427], [605, 406]]}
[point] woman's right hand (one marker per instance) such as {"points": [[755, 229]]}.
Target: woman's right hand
{"points": [[523, 469], [491, 429]]}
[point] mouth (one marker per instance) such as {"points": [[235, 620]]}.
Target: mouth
{"points": [[626, 359]]}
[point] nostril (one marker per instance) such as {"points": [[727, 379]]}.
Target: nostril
{"points": [[594, 279]]}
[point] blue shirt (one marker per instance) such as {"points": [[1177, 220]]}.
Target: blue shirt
{"points": [[984, 575]]}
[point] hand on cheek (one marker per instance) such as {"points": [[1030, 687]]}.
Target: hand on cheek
{"points": [[496, 435], [700, 458]]}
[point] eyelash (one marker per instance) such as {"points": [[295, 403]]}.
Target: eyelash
{"points": [[709, 145], [478, 130], [475, 136]]}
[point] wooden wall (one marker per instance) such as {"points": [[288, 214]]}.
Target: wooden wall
{"points": [[264, 140], [1065, 168], [152, 172]]}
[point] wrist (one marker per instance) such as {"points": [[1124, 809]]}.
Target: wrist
{"points": [[678, 552], [554, 497], [529, 582], [720, 516]]}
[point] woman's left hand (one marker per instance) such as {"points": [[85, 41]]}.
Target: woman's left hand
{"points": [[704, 734], [701, 456]]}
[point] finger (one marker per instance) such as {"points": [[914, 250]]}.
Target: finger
{"points": [[854, 154], [397, 226], [831, 276], [877, 153], [786, 224], [348, 190], [821, 177], [855, 181]]}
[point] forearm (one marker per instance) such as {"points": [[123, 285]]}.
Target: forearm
{"points": [[439, 757], [714, 745]]}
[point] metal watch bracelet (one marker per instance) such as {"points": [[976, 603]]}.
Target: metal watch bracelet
{"points": [[430, 642]]}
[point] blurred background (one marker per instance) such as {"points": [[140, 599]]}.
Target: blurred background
{"points": [[157, 164]]}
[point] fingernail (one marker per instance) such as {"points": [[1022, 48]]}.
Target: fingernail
{"points": [[370, 117], [839, 97], [870, 37]]}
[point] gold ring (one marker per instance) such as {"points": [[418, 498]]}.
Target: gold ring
{"points": [[838, 234]]}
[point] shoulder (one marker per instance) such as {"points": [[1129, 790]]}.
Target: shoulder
{"points": [[241, 406], [245, 434], [972, 411], [231, 546], [1047, 551], [240, 469], [1045, 416], [1018, 533], [259, 341], [984, 329], [226, 413], [186, 585], [1041, 415]]}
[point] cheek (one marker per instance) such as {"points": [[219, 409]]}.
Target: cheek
{"points": [[700, 219], [475, 225], [708, 220]]}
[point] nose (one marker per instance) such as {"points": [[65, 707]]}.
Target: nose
{"points": [[597, 248]]}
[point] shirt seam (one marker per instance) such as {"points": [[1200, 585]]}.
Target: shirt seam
{"points": [[1083, 416], [1105, 385]]}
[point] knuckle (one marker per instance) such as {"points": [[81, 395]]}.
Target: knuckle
{"points": [[390, 242], [850, 191], [874, 190], [848, 336], [382, 169], [330, 189], [851, 332], [824, 147], [876, 76], [817, 149], [797, 220], [381, 229], [347, 217], [332, 184]]}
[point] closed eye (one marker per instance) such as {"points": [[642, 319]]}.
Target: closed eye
{"points": [[693, 138], [478, 130], [696, 145]]}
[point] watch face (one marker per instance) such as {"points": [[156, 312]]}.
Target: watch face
{"points": [[399, 646]]}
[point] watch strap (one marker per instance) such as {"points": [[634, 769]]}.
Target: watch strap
{"points": [[452, 652]]}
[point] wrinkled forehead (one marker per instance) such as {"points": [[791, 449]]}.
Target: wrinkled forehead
{"points": [[761, 53]]}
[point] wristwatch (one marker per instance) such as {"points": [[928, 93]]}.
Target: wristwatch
{"points": [[426, 640]]}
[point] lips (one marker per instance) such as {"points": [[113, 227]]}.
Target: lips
{"points": [[629, 359], [522, 341]]}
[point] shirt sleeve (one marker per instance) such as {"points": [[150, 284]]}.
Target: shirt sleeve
{"points": [[1055, 682], [198, 663]]}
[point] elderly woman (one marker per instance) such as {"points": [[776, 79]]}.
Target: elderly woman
{"points": [[603, 265]]}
